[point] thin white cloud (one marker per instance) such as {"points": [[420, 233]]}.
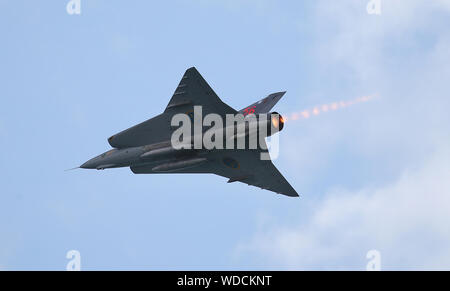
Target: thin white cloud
{"points": [[407, 221]]}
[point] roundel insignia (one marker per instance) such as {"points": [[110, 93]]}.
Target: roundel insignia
{"points": [[231, 163]]}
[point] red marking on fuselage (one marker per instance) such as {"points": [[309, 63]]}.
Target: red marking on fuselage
{"points": [[249, 110]]}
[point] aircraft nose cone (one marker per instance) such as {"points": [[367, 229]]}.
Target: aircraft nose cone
{"points": [[88, 165]]}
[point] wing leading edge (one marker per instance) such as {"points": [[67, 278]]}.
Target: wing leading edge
{"points": [[194, 90], [191, 91]]}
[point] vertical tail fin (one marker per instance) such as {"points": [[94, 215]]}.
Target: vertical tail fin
{"points": [[264, 105]]}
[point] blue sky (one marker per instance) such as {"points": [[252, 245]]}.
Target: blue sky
{"points": [[372, 176]]}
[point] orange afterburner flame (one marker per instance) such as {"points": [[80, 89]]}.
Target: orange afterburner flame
{"points": [[316, 110]]}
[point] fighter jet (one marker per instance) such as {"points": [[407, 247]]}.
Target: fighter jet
{"points": [[147, 148]]}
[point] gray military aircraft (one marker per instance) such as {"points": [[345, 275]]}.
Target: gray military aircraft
{"points": [[147, 148]]}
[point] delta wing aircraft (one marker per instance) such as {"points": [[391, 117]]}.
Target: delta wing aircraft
{"points": [[147, 148]]}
